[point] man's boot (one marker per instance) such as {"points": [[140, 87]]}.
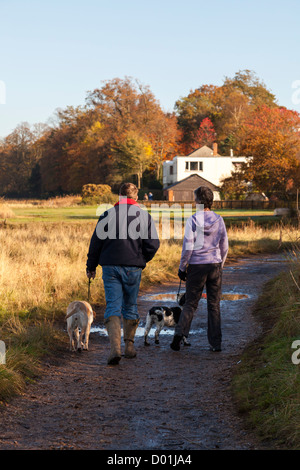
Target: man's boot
{"points": [[113, 326], [130, 327]]}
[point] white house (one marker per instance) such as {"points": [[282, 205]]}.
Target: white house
{"points": [[204, 162]]}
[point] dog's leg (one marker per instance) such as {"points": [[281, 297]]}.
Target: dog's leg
{"points": [[70, 332], [147, 329], [159, 327], [77, 338], [86, 337], [79, 341]]}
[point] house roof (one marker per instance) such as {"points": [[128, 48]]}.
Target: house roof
{"points": [[192, 182], [203, 152]]}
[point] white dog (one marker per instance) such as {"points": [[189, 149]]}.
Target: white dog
{"points": [[80, 316]]}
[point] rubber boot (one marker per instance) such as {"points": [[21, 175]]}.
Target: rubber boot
{"points": [[130, 327], [113, 326]]}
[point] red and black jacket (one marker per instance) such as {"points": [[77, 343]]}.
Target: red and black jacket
{"points": [[125, 235]]}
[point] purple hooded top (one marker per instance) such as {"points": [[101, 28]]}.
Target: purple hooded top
{"points": [[205, 240]]}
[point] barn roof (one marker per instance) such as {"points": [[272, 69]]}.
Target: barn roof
{"points": [[192, 182]]}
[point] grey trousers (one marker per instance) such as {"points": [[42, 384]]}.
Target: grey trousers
{"points": [[198, 276]]}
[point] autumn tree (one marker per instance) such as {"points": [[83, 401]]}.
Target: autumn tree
{"points": [[205, 135], [123, 106], [254, 89], [234, 187], [18, 158], [227, 106], [75, 152], [192, 110], [271, 141], [163, 136], [127, 106]]}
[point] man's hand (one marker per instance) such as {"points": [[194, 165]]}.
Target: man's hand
{"points": [[90, 274], [182, 275]]}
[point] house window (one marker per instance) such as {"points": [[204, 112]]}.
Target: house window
{"points": [[193, 166], [171, 170]]}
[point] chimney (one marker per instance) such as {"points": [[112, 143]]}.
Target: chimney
{"points": [[215, 149], [231, 152]]}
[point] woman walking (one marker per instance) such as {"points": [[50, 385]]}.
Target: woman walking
{"points": [[204, 251]]}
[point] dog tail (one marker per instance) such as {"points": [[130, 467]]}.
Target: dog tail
{"points": [[71, 312]]}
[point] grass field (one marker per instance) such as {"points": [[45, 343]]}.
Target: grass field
{"points": [[55, 211]]}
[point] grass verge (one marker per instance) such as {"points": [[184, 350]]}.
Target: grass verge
{"points": [[27, 343], [267, 383]]}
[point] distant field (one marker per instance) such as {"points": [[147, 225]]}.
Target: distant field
{"points": [[28, 213], [52, 214]]}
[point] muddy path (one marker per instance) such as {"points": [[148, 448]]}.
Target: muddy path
{"points": [[161, 400]]}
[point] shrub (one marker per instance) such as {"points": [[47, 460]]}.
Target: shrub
{"points": [[98, 194]]}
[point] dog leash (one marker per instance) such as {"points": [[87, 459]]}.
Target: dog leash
{"points": [[89, 289], [178, 293]]}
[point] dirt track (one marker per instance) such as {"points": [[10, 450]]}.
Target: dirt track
{"points": [[161, 400]]}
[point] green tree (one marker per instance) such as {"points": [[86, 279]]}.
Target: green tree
{"points": [[247, 82], [133, 156]]}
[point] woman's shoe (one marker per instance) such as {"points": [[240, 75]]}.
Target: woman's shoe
{"points": [[175, 345]]}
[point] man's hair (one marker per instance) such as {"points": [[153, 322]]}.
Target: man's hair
{"points": [[205, 196], [128, 190]]}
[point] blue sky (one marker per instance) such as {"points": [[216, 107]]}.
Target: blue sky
{"points": [[53, 52]]}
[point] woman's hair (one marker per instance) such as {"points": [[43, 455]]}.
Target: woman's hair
{"points": [[128, 190], [205, 196]]}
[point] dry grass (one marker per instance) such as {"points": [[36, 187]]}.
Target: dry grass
{"points": [[5, 211], [64, 201], [42, 266], [253, 239]]}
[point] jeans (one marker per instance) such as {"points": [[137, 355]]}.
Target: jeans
{"points": [[121, 286], [198, 276]]}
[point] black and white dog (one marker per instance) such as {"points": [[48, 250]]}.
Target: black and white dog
{"points": [[161, 316]]}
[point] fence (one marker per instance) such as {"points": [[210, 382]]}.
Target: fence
{"points": [[242, 205]]}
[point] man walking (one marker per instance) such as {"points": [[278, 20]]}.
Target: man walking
{"points": [[124, 241], [204, 251]]}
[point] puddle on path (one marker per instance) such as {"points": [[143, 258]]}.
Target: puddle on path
{"points": [[167, 297], [172, 297], [140, 331]]}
